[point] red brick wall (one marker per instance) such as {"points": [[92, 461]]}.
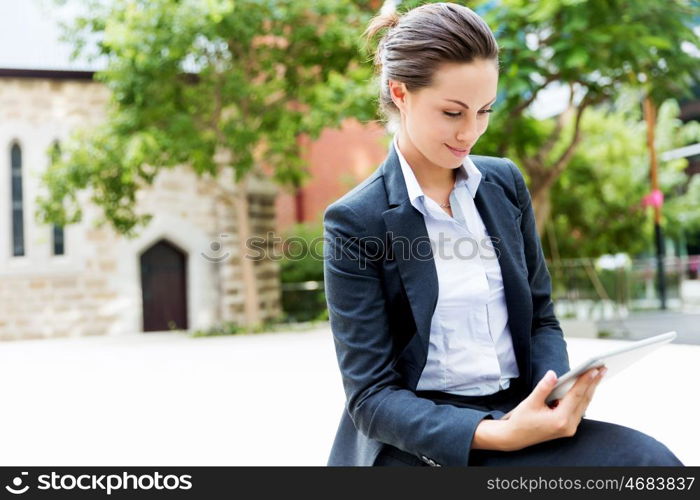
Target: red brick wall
{"points": [[338, 160]]}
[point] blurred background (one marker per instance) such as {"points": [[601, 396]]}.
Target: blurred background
{"points": [[165, 166]]}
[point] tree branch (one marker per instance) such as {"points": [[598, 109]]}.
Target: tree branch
{"points": [[564, 158], [556, 133], [518, 110], [523, 105]]}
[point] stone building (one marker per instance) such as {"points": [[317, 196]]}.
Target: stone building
{"points": [[182, 271]]}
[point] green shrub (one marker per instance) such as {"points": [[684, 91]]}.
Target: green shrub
{"points": [[303, 262]]}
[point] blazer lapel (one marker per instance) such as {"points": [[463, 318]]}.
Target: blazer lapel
{"points": [[408, 242], [499, 219]]}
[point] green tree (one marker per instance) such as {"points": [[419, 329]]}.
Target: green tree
{"points": [[594, 48], [597, 200], [211, 84], [222, 86], [227, 86]]}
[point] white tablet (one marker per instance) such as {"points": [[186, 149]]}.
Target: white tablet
{"points": [[615, 360]]}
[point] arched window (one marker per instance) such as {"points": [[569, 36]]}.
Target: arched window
{"points": [[17, 203], [58, 242]]}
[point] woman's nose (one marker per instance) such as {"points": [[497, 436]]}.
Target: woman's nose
{"points": [[469, 133]]}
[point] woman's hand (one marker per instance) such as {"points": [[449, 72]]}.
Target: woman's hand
{"points": [[533, 421]]}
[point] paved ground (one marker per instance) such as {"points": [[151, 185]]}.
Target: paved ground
{"points": [[640, 325], [266, 399]]}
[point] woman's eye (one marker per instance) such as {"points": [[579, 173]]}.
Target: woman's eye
{"points": [[455, 115]]}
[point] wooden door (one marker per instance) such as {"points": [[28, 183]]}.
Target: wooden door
{"points": [[164, 287]]}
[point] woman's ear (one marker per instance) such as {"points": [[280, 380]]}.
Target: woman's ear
{"points": [[397, 91]]}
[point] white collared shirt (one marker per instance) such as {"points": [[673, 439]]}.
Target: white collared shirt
{"points": [[470, 351]]}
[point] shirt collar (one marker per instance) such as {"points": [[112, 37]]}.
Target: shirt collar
{"points": [[467, 175]]}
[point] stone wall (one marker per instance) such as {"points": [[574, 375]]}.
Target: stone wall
{"points": [[262, 215], [261, 198]]}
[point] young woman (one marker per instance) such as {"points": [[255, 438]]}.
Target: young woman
{"points": [[437, 289]]}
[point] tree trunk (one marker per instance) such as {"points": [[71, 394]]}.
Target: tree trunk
{"points": [[542, 205], [541, 182], [250, 285]]}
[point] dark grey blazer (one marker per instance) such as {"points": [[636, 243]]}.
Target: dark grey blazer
{"points": [[381, 299]]}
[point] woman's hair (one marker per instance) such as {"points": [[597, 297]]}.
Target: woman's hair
{"points": [[425, 37]]}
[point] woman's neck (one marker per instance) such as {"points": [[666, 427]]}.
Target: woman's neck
{"points": [[428, 175]]}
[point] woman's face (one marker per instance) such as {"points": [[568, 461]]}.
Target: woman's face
{"points": [[440, 124]]}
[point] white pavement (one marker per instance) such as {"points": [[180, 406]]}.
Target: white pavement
{"points": [[264, 399]]}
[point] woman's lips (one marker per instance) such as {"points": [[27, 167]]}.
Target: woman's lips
{"points": [[459, 153]]}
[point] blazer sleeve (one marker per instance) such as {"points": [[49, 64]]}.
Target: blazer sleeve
{"points": [[379, 404], [547, 344]]}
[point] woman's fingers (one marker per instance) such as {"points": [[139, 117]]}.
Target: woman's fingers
{"points": [[568, 413], [572, 399], [564, 420], [586, 400], [543, 387]]}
